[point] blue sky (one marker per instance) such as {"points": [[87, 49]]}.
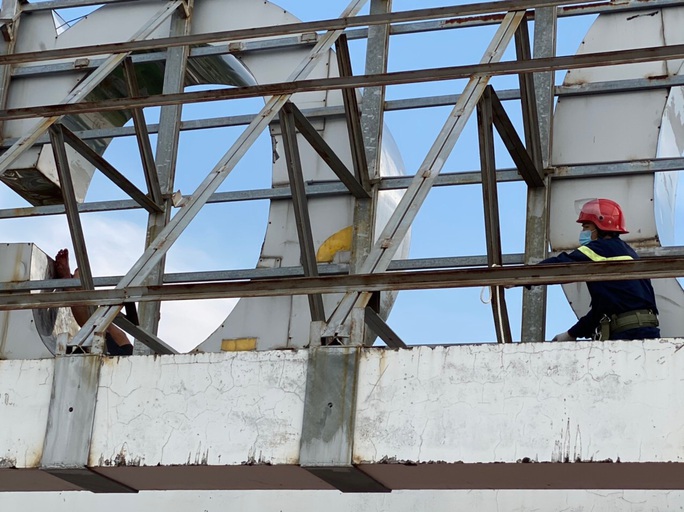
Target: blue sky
{"points": [[450, 223]]}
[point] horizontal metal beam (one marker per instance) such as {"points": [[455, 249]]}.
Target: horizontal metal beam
{"points": [[656, 268], [598, 59], [596, 170], [109, 170], [64, 4], [323, 269], [326, 153], [638, 84], [289, 28]]}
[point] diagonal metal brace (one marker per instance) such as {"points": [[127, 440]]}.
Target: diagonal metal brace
{"points": [[532, 175], [325, 151], [110, 171]]}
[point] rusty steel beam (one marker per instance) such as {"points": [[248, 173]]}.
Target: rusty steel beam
{"points": [[300, 206], [71, 206], [109, 170], [530, 172], [490, 199], [353, 115], [142, 136], [326, 152], [654, 268], [157, 345], [598, 59], [341, 23], [380, 327]]}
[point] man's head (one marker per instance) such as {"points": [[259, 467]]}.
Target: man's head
{"points": [[603, 215]]}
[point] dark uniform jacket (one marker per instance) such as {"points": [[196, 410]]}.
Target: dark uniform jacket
{"points": [[611, 297]]}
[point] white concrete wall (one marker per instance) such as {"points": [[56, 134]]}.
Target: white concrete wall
{"points": [[334, 501], [427, 418], [211, 409], [25, 388], [548, 402]]}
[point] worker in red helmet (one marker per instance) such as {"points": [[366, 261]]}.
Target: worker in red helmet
{"points": [[624, 310]]}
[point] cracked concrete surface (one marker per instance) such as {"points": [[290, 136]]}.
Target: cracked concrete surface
{"points": [[200, 409], [424, 409], [502, 403], [25, 388]]}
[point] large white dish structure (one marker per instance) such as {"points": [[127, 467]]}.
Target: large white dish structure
{"points": [[619, 126], [264, 323]]}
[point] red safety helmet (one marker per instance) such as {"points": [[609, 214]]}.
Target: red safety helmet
{"points": [[606, 214]]}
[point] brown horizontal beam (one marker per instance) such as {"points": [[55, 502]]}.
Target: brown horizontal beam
{"points": [[599, 59], [289, 28], [402, 280]]}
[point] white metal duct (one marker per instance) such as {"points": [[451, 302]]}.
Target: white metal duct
{"points": [[623, 126]]}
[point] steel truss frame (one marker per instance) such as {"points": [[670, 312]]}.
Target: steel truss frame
{"points": [[147, 282]]}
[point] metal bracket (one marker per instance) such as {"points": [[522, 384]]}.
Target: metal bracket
{"points": [[328, 426]]}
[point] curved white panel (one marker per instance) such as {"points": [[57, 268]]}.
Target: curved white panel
{"points": [[622, 126], [273, 322]]}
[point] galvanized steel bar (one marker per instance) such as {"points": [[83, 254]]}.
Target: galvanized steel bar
{"points": [[166, 158], [529, 102], [397, 226], [638, 84], [300, 206], [66, 4], [156, 250], [533, 325], [372, 124], [81, 90], [334, 24], [598, 59]]}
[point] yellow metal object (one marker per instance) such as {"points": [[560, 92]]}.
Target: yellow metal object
{"points": [[238, 344], [340, 241]]}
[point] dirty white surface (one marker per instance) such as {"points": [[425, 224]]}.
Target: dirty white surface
{"points": [[334, 501], [25, 388], [209, 409], [548, 402]]}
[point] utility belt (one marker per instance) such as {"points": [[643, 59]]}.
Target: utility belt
{"points": [[615, 324]]}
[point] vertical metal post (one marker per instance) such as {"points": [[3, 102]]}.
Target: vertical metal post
{"points": [[491, 209], [537, 228], [166, 157], [142, 135], [71, 206], [70, 424], [300, 205], [10, 16], [372, 122]]}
